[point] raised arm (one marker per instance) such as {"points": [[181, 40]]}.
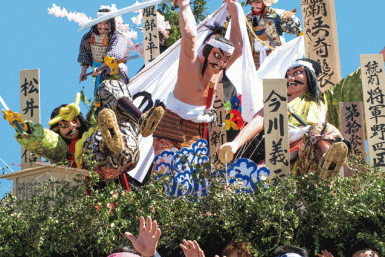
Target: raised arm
{"points": [[147, 241], [191, 249], [188, 29], [235, 35]]}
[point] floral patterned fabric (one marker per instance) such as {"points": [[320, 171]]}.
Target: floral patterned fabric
{"points": [[274, 23], [233, 110]]}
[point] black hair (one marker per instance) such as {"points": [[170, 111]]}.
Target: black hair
{"points": [[94, 29], [84, 126], [312, 77], [313, 84], [123, 249], [282, 250], [218, 32]]}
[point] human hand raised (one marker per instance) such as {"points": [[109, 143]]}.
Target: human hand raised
{"points": [[147, 241], [325, 253], [191, 249]]}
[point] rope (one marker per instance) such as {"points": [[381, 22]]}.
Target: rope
{"points": [[260, 40]]}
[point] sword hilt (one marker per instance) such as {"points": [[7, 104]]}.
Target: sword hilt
{"points": [[15, 121]]}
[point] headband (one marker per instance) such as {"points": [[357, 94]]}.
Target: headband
{"points": [[298, 63], [221, 45], [67, 113]]}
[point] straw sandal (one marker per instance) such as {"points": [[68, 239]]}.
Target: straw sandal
{"points": [[332, 161], [150, 119], [110, 130]]}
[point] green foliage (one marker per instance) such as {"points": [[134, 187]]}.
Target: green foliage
{"points": [[171, 14], [303, 211]]}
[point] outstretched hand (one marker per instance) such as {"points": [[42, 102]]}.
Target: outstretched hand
{"points": [[325, 254], [191, 249], [147, 241]]}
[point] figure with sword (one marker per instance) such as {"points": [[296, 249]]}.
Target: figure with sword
{"points": [[112, 142], [102, 40], [315, 145], [103, 48]]}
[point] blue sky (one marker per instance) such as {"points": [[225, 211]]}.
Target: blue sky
{"points": [[31, 38]]}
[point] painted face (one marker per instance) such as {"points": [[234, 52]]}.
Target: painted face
{"points": [[104, 27], [69, 129], [297, 83], [257, 6], [217, 60]]}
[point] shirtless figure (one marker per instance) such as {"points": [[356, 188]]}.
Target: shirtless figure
{"points": [[187, 105]]}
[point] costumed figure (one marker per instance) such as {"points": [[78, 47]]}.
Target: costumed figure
{"points": [[349, 89], [266, 27], [269, 24], [313, 147], [103, 40], [188, 106], [112, 142]]}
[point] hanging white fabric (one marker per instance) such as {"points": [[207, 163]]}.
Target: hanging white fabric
{"points": [[158, 78]]}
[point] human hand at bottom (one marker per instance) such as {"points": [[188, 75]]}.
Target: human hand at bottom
{"points": [[191, 249], [325, 253], [147, 241]]}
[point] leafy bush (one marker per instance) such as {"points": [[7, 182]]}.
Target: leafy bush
{"points": [[306, 211]]}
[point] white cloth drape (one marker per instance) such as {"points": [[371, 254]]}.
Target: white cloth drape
{"points": [[159, 77]]}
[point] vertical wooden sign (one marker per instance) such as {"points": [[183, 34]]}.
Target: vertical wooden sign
{"points": [[321, 41], [373, 89], [352, 129], [352, 126], [150, 34], [276, 127], [29, 108], [217, 135]]}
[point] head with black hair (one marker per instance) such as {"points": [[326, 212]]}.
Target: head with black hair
{"points": [[289, 251], [216, 50], [69, 130], [311, 69], [104, 27], [123, 251]]}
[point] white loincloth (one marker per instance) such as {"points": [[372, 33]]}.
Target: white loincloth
{"points": [[197, 114]]}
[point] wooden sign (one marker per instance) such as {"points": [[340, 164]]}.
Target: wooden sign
{"points": [[29, 108], [217, 135], [353, 129], [352, 126], [373, 89], [276, 127], [27, 181], [321, 41], [150, 34]]}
